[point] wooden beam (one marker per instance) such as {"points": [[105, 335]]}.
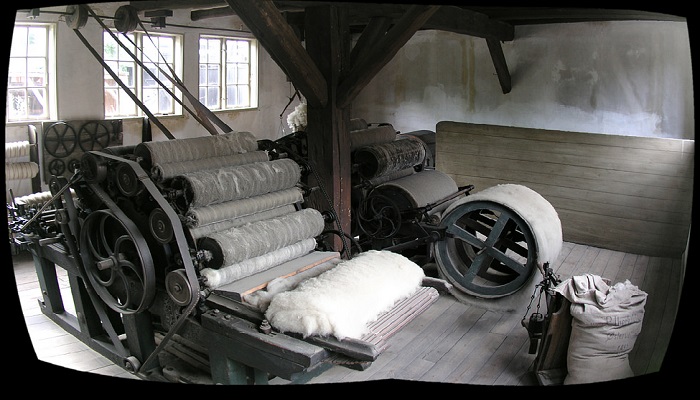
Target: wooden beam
{"points": [[328, 43], [499, 62], [373, 32], [372, 61], [274, 33]]}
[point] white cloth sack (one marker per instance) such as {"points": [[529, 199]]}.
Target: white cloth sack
{"points": [[606, 321]]}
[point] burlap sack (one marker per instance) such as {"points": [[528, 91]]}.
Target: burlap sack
{"points": [[606, 321]]}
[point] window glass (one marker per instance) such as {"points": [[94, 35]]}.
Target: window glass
{"points": [[226, 71]]}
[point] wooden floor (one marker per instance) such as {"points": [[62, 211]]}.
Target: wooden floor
{"points": [[450, 342]]}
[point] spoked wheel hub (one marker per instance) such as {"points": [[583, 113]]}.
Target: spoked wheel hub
{"points": [[489, 251], [118, 262]]}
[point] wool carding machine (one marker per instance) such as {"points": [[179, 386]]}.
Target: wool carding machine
{"points": [[488, 244], [191, 260]]}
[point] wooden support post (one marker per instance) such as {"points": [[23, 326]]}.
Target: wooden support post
{"points": [[499, 62], [327, 36]]}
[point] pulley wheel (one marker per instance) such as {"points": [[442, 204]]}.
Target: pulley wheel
{"points": [[118, 262], [93, 136], [57, 167], [378, 216], [126, 19], [489, 251], [127, 181], [77, 16], [60, 139], [94, 168], [178, 287], [160, 226]]}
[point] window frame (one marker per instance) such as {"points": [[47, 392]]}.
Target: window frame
{"points": [[178, 66], [253, 67], [50, 85]]}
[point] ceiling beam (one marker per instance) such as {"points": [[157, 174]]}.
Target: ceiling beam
{"points": [[371, 61], [499, 62], [274, 33]]}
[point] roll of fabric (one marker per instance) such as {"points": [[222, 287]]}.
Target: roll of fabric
{"points": [[253, 240], [161, 152], [222, 225], [381, 159], [223, 276], [21, 170], [161, 172], [17, 150], [208, 187], [238, 208], [422, 188], [369, 136], [357, 123]]}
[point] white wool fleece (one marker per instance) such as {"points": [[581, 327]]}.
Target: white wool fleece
{"points": [[342, 301]]}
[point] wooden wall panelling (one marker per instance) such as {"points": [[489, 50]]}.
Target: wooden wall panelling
{"points": [[624, 193]]}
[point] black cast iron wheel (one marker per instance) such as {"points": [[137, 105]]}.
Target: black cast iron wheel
{"points": [[489, 251], [118, 262]]}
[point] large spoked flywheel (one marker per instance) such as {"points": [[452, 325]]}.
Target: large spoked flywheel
{"points": [[489, 251], [118, 262]]}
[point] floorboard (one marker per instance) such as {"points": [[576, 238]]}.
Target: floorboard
{"points": [[449, 342]]}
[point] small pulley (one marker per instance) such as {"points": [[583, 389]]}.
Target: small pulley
{"points": [[160, 226], [178, 287], [77, 16], [126, 19]]}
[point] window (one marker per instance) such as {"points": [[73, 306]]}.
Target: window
{"points": [[227, 73], [161, 55], [30, 79]]}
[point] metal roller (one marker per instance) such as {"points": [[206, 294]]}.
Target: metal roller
{"points": [[160, 152], [161, 172], [253, 240], [222, 276], [420, 189], [385, 158], [201, 216], [222, 225], [202, 188], [369, 136]]}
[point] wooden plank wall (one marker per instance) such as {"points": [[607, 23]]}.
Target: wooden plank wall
{"points": [[624, 193]]}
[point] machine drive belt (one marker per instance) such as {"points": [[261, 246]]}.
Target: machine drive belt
{"points": [[179, 237], [198, 105], [128, 91]]}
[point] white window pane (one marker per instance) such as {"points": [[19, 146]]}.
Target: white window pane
{"points": [[212, 97], [148, 80], [150, 99], [212, 74], [126, 105], [242, 74], [203, 95], [17, 103], [36, 71], [36, 40], [36, 102], [17, 72], [243, 95], [19, 42], [202, 75], [231, 96], [165, 102]]}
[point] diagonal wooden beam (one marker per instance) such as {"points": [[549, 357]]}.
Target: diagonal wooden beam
{"points": [[274, 33], [373, 32], [499, 62], [374, 59]]}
